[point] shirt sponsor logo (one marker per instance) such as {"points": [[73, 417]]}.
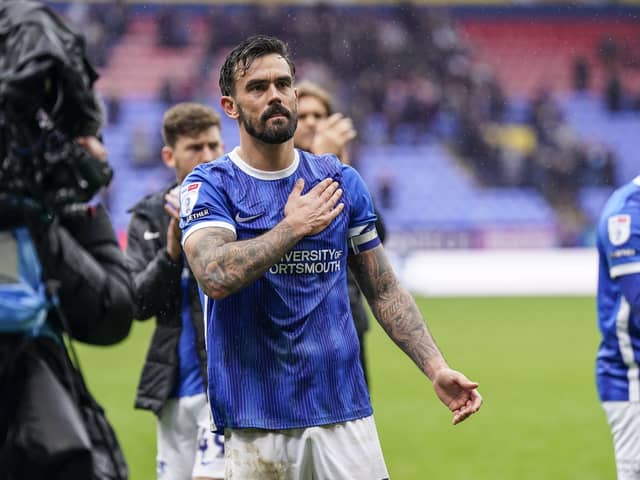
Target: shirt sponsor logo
{"points": [[623, 252], [308, 262], [197, 215], [619, 227], [189, 197]]}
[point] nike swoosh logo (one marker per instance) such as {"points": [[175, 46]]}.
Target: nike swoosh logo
{"points": [[150, 235], [240, 219]]}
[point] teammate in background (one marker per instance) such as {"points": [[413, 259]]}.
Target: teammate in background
{"points": [[173, 380], [321, 130], [617, 376], [266, 231]]}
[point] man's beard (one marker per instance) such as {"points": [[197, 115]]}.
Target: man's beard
{"points": [[278, 133]]}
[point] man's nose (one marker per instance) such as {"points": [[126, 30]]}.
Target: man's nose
{"points": [[274, 94]]}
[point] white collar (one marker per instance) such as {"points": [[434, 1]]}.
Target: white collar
{"points": [[264, 174]]}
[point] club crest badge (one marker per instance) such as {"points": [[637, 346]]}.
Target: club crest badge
{"points": [[619, 227], [188, 198]]}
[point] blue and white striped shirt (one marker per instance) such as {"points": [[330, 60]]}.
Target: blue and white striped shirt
{"points": [[617, 374], [283, 352]]}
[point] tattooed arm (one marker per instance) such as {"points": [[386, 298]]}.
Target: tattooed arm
{"points": [[397, 312], [223, 266], [395, 309]]}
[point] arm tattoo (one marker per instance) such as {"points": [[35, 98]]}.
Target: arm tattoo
{"points": [[395, 309], [223, 266]]}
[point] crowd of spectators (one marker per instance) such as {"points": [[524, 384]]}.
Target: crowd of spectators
{"points": [[102, 26], [407, 70], [437, 89]]}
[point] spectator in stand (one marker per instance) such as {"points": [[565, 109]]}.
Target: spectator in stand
{"points": [[581, 74], [172, 30]]}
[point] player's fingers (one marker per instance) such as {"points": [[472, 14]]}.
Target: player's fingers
{"points": [[329, 191], [334, 119], [467, 384], [345, 124], [348, 135], [469, 408], [336, 211], [334, 198], [347, 131], [459, 417], [476, 401], [461, 414], [173, 212], [297, 188], [172, 199], [460, 379], [319, 188]]}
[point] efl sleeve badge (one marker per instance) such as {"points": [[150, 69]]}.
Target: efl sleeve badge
{"points": [[619, 227], [188, 198]]}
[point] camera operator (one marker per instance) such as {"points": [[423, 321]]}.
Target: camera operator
{"points": [[51, 164]]}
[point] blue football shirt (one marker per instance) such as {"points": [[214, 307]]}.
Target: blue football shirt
{"points": [[617, 373], [283, 352], [190, 381]]}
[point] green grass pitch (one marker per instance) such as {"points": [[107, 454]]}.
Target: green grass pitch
{"points": [[533, 358]]}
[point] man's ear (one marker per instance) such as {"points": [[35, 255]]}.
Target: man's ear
{"points": [[230, 107], [167, 157]]}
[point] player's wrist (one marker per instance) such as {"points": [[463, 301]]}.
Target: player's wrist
{"points": [[297, 229], [435, 367]]}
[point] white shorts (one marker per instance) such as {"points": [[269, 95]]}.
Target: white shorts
{"points": [[186, 446], [624, 420], [341, 451]]}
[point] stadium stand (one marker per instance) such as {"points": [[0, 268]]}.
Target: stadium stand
{"points": [[498, 130], [526, 52], [139, 65]]}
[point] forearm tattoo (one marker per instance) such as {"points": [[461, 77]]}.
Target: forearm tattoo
{"points": [[394, 308], [223, 266]]}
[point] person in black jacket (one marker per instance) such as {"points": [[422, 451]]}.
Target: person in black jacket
{"points": [[321, 130], [173, 380], [44, 428], [51, 164]]}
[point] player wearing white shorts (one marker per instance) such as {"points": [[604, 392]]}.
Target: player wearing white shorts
{"points": [[186, 446], [617, 374], [268, 230], [173, 380]]}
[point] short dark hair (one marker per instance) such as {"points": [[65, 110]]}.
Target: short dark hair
{"points": [[187, 119], [242, 56]]}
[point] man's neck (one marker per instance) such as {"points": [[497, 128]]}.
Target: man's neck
{"points": [[266, 156]]}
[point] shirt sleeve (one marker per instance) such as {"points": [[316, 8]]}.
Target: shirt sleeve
{"points": [[621, 242], [362, 221], [203, 203]]}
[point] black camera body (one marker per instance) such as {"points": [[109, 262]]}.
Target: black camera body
{"points": [[46, 101], [54, 170]]}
